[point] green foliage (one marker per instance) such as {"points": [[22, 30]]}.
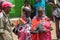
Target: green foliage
{"points": [[48, 10], [18, 5], [32, 2], [16, 11]]}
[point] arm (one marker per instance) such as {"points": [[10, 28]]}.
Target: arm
{"points": [[2, 27], [4, 37], [47, 25], [22, 10]]}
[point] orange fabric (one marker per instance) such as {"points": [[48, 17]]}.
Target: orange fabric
{"points": [[35, 23]]}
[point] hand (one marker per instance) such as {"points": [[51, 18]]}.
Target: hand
{"points": [[4, 37], [51, 28], [34, 32], [44, 31]]}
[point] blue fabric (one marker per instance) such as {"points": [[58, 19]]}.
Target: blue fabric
{"points": [[38, 4]]}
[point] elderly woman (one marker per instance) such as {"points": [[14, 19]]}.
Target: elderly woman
{"points": [[5, 30], [26, 4], [24, 31], [41, 26]]}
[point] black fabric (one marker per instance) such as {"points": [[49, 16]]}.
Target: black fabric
{"points": [[59, 0], [33, 12], [51, 1], [15, 30], [57, 17]]}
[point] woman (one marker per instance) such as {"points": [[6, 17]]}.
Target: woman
{"points": [[24, 31], [41, 26], [5, 30], [26, 4]]}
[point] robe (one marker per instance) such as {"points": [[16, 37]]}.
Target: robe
{"points": [[46, 25]]}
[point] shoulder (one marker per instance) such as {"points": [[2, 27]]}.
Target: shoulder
{"points": [[21, 21], [34, 17], [46, 18], [22, 6]]}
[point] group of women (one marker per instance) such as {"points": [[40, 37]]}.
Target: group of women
{"points": [[37, 28]]}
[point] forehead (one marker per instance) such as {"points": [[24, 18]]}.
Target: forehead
{"points": [[40, 10]]}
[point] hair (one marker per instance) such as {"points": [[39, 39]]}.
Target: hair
{"points": [[1, 4], [40, 8], [26, 1]]}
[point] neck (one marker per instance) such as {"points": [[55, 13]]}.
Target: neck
{"points": [[40, 16], [27, 17]]}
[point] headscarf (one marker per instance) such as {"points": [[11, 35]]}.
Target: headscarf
{"points": [[7, 4], [26, 9]]}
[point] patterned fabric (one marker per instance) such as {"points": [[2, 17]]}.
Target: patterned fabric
{"points": [[24, 30], [5, 26]]}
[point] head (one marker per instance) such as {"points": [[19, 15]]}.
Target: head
{"points": [[26, 3], [40, 11], [6, 6], [27, 11]]}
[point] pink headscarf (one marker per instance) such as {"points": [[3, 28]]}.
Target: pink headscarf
{"points": [[7, 4]]}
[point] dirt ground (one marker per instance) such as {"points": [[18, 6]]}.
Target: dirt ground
{"points": [[53, 32]]}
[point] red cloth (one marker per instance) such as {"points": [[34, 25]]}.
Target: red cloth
{"points": [[22, 36], [46, 35], [43, 35], [35, 22], [35, 36]]}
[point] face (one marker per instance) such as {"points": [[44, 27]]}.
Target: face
{"points": [[26, 3], [7, 10], [40, 13], [28, 14]]}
